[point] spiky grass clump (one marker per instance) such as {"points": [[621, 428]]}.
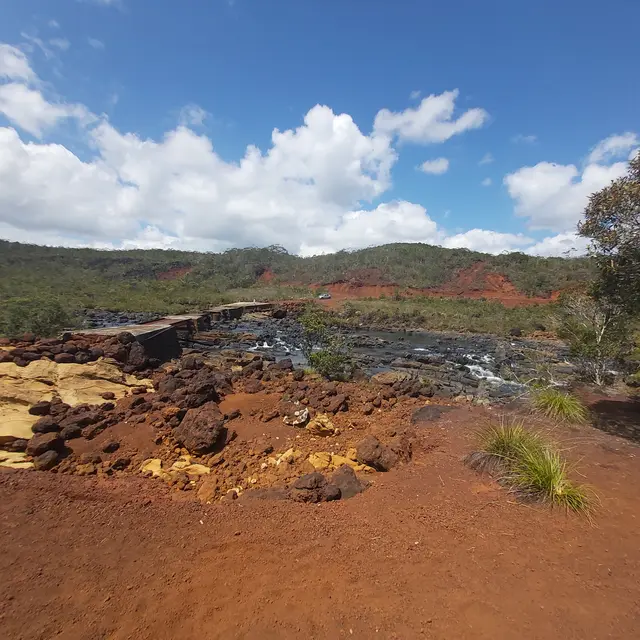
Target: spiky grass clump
{"points": [[531, 466], [542, 474], [501, 445], [559, 405]]}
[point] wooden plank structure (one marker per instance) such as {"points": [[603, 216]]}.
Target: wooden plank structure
{"points": [[185, 325]]}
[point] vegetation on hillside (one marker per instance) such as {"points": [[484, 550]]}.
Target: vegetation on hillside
{"points": [[168, 281]]}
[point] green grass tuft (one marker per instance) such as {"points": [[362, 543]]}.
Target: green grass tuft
{"points": [[559, 405], [531, 466]]}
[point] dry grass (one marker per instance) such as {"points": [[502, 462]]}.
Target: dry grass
{"points": [[559, 405], [531, 466]]}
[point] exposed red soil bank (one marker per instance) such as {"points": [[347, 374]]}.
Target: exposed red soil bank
{"points": [[175, 273], [475, 282], [431, 550]]}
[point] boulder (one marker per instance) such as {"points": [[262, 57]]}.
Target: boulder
{"points": [[372, 452], [346, 480], [42, 442], [46, 460], [46, 424], [428, 413], [40, 408], [337, 403], [321, 426], [64, 358], [390, 377], [313, 487], [252, 386], [137, 358], [110, 447], [295, 415], [201, 429]]}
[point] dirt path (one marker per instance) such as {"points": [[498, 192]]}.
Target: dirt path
{"points": [[432, 550]]}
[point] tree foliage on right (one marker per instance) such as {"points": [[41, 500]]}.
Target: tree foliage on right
{"points": [[612, 221]]}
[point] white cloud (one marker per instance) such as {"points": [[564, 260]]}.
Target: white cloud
{"points": [[14, 64], [389, 222], [487, 241], [414, 95], [308, 190], [487, 158], [437, 167], [432, 121], [563, 244], [615, 146], [95, 43], [53, 24], [486, 182], [193, 115], [524, 139], [28, 109], [554, 196], [60, 43]]}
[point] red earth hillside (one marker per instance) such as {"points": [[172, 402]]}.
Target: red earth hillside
{"points": [[475, 282]]}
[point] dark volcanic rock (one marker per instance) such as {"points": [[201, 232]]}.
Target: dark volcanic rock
{"points": [[46, 424], [347, 481], [430, 413], [372, 452], [110, 447], [42, 442], [64, 358], [313, 487], [201, 429], [252, 386], [137, 357], [46, 460]]}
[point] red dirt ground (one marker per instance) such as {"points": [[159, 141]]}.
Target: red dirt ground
{"points": [[475, 282], [175, 273], [432, 550]]}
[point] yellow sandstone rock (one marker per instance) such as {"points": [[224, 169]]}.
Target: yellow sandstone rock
{"points": [[325, 461], [21, 387], [14, 460], [321, 426]]}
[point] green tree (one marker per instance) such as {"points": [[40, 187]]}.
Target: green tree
{"points": [[44, 318], [596, 331], [612, 222]]}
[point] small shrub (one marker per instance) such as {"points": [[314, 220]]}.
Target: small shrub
{"points": [[532, 467], [330, 364], [542, 473], [559, 405]]}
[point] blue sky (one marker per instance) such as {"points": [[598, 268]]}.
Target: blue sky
{"points": [[127, 121]]}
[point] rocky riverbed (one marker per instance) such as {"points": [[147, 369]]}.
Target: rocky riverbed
{"points": [[481, 366]]}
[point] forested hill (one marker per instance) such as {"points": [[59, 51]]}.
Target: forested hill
{"points": [[26, 270]]}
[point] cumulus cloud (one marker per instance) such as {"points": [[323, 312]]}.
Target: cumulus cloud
{"points": [[563, 244], [28, 109], [314, 189], [431, 121], [414, 95], [486, 182], [437, 167], [14, 64], [554, 196], [615, 146], [487, 241]]}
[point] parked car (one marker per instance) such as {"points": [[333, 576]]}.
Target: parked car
{"points": [[324, 296]]}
